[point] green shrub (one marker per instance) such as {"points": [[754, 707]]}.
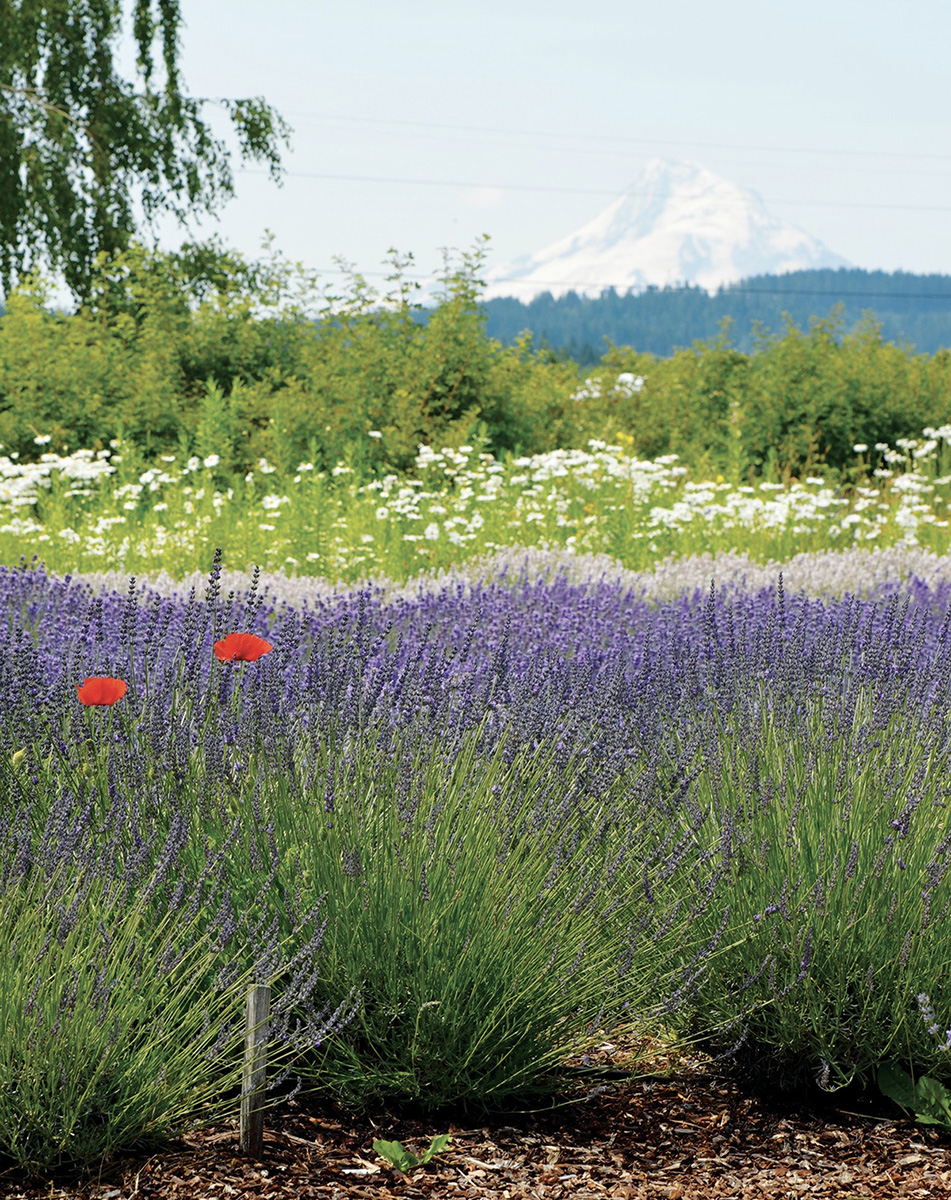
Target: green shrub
{"points": [[798, 403], [203, 352]]}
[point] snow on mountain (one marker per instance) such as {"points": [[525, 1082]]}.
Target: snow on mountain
{"points": [[679, 223]]}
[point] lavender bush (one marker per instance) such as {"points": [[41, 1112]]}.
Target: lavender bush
{"points": [[123, 980], [479, 896], [867, 572], [834, 824]]}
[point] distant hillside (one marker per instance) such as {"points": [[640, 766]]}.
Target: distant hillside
{"points": [[912, 309]]}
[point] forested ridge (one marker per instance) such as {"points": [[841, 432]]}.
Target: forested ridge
{"points": [[914, 310]]}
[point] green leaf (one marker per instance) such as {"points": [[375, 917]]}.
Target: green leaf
{"points": [[399, 1157], [937, 1100], [928, 1099], [898, 1085], [436, 1146], [396, 1155]]}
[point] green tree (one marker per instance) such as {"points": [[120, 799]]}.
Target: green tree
{"points": [[86, 154]]}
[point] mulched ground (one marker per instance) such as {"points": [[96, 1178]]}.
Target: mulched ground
{"points": [[695, 1135]]}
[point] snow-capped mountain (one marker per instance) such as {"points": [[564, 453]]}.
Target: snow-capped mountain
{"points": [[679, 223]]}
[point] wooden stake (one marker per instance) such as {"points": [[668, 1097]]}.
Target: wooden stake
{"points": [[255, 1070]]}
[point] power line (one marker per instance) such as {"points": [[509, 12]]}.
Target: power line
{"points": [[614, 139], [546, 188], [840, 295], [437, 183]]}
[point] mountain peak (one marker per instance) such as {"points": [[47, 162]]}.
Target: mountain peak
{"points": [[679, 223]]}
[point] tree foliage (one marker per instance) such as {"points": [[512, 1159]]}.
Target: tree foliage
{"points": [[87, 155], [200, 351]]}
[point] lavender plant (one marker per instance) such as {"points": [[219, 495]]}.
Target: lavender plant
{"points": [[123, 979], [276, 777], [105, 1042], [479, 898], [825, 780]]}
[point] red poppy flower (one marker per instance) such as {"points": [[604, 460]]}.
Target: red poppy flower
{"points": [[241, 647], [101, 689]]}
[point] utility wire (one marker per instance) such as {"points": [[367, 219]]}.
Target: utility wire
{"points": [[615, 150], [738, 289], [511, 187], [614, 138]]}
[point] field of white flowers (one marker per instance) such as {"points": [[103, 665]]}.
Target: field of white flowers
{"points": [[109, 509]]}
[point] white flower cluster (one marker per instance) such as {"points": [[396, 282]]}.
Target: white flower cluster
{"points": [[20, 483], [625, 385]]}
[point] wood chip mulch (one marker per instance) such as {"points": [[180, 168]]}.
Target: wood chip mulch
{"points": [[693, 1135]]}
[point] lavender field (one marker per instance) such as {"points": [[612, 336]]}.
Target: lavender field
{"points": [[465, 826]]}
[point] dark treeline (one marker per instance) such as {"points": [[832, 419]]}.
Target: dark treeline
{"points": [[913, 310]]}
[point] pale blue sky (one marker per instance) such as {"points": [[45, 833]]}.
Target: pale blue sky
{"points": [[838, 113]]}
